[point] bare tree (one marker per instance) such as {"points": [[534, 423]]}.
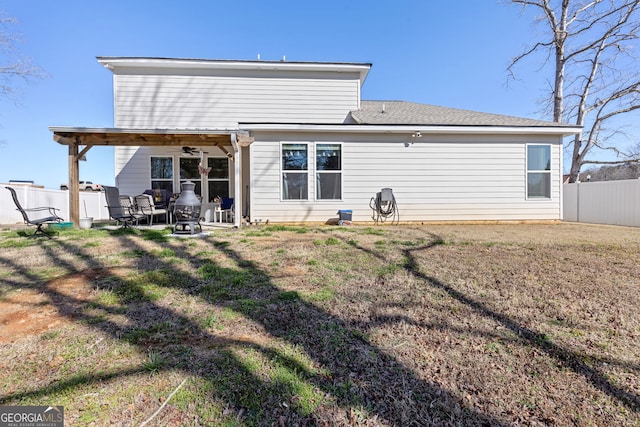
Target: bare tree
{"points": [[611, 173], [13, 66], [596, 76]]}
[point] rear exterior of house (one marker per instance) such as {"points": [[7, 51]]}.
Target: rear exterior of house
{"points": [[441, 178], [318, 148]]}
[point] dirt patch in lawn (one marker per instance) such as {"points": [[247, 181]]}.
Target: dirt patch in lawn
{"points": [[33, 311]]}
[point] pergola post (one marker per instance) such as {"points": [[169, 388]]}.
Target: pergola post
{"points": [[73, 185], [237, 183]]}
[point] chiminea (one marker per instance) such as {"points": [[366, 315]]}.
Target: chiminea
{"points": [[187, 209]]}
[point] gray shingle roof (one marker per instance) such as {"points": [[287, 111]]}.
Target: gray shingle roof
{"points": [[411, 113]]}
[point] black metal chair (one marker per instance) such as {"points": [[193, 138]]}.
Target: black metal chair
{"points": [[129, 204], [121, 214], [145, 205], [160, 197], [53, 218]]}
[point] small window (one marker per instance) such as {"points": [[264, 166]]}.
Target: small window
{"points": [[162, 173], [295, 177], [328, 171], [539, 171]]}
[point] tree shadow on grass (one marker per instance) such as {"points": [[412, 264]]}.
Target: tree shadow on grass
{"points": [[530, 337], [295, 364]]}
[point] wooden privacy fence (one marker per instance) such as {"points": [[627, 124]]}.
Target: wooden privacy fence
{"points": [[603, 202], [92, 204]]}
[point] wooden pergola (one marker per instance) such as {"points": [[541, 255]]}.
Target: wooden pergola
{"points": [[80, 140]]}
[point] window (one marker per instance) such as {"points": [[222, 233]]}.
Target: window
{"points": [[162, 173], [189, 172], [328, 171], [538, 171], [218, 179], [295, 177]]}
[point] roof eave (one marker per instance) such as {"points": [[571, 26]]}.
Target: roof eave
{"points": [[168, 131], [563, 130], [113, 63]]}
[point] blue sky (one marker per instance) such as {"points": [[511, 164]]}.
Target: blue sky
{"points": [[449, 53]]}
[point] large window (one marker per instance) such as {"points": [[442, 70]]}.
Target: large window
{"points": [[538, 171], [189, 172], [328, 171], [295, 177], [218, 179], [162, 173]]}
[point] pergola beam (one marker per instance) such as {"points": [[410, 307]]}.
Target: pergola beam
{"points": [[141, 139]]}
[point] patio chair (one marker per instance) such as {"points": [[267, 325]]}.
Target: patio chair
{"points": [[53, 218], [227, 208], [129, 203], [145, 205], [160, 197], [119, 209]]}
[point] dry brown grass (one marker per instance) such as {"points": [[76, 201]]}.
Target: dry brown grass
{"points": [[409, 325]]}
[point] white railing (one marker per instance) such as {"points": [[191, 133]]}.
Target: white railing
{"points": [[92, 204], [603, 202]]}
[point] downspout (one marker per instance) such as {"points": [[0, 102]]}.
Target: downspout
{"points": [[561, 180], [237, 184]]}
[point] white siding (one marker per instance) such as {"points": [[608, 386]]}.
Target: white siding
{"points": [[221, 101], [131, 170], [440, 178]]}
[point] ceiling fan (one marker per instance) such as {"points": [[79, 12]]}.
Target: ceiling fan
{"points": [[192, 150]]}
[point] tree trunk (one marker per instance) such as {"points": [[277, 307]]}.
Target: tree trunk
{"points": [[559, 39]]}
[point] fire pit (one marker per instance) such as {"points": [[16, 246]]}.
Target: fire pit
{"points": [[186, 210]]}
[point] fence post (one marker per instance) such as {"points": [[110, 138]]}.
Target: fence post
{"points": [[577, 202]]}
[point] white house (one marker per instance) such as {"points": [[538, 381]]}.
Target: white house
{"points": [[294, 142]]}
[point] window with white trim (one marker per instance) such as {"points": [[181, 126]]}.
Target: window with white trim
{"points": [[328, 171], [295, 171], [218, 178], [189, 172], [162, 173], [538, 171]]}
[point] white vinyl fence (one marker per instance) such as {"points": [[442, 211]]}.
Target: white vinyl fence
{"points": [[603, 202], [92, 204]]}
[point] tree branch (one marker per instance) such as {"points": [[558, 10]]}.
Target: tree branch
{"points": [[14, 66], [612, 162], [517, 59]]}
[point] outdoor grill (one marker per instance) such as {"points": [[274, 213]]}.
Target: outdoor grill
{"points": [[186, 210]]}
